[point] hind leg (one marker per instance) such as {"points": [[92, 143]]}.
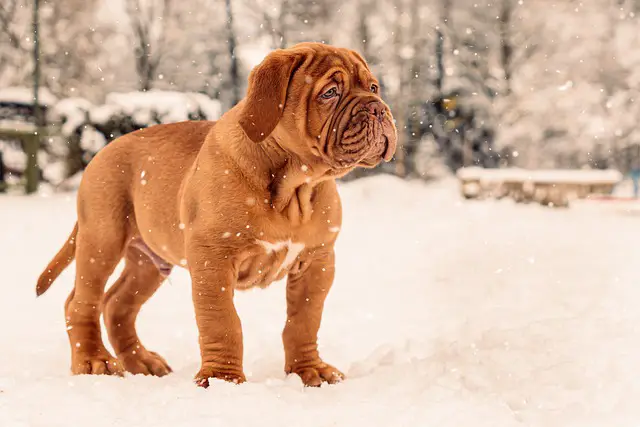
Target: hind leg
{"points": [[139, 281], [97, 255]]}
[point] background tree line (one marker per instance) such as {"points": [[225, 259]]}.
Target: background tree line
{"points": [[534, 83]]}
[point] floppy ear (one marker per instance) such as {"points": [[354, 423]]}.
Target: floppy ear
{"points": [[361, 59], [267, 94]]}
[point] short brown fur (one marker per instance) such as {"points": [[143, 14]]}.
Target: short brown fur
{"points": [[241, 202]]}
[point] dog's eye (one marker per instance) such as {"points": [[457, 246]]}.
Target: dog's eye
{"points": [[330, 93], [374, 88]]}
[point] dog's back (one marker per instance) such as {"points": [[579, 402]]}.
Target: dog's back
{"points": [[150, 161]]}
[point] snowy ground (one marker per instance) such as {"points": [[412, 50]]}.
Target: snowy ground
{"points": [[444, 313]]}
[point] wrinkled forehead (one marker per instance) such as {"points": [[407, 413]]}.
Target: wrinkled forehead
{"points": [[324, 62]]}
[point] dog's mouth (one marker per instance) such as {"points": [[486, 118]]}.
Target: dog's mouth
{"points": [[368, 138], [389, 150], [375, 159]]}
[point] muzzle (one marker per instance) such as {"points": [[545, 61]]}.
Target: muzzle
{"points": [[365, 135]]}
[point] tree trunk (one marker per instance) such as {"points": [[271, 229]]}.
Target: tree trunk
{"points": [[412, 98], [444, 22], [32, 142], [282, 23], [363, 28], [506, 48], [145, 73], [3, 184], [400, 101], [233, 67]]}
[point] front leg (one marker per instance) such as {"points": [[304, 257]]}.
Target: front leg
{"points": [[306, 292], [220, 331]]}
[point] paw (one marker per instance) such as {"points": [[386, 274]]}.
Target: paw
{"points": [[144, 362], [229, 374], [314, 376], [102, 364]]}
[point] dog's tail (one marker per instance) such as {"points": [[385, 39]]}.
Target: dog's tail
{"points": [[59, 262]]}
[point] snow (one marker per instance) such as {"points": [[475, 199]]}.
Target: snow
{"points": [[92, 140], [210, 107], [293, 250], [103, 113], [253, 54], [578, 176], [71, 183], [583, 176], [24, 95], [169, 106], [94, 125], [12, 155], [18, 126], [54, 172], [74, 112], [443, 313], [145, 107]]}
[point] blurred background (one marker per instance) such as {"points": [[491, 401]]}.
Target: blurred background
{"points": [[450, 307], [535, 84]]}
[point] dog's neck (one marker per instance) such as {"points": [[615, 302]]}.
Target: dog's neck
{"points": [[290, 178]]}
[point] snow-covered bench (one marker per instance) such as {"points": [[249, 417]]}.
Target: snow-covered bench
{"points": [[548, 187], [20, 140], [17, 162]]}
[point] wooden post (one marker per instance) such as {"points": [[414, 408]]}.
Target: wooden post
{"points": [[32, 143], [3, 184], [232, 44], [32, 171], [440, 31], [400, 100]]}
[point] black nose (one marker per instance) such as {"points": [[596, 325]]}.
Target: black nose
{"points": [[377, 108]]}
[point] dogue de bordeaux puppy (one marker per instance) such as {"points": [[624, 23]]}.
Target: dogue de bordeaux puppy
{"points": [[240, 202]]}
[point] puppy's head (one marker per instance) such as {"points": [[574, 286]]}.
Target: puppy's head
{"points": [[320, 100]]}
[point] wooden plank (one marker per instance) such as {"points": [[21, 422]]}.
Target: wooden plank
{"points": [[30, 139]]}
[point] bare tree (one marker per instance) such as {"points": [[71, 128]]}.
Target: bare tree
{"points": [[399, 102], [285, 6], [292, 21], [7, 16], [275, 21], [72, 55], [445, 16], [506, 48], [232, 43], [71, 45], [189, 54], [148, 24], [411, 56], [15, 55], [363, 27]]}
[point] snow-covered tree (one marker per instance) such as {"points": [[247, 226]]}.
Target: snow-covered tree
{"points": [[71, 41], [534, 83]]}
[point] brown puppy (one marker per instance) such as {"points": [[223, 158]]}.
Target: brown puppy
{"points": [[241, 202]]}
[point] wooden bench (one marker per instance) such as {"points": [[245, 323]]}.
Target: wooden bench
{"points": [[547, 187], [30, 139], [17, 122]]}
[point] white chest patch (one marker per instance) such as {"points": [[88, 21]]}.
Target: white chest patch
{"points": [[293, 250]]}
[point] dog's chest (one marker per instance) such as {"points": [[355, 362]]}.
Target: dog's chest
{"points": [[283, 246], [268, 261]]}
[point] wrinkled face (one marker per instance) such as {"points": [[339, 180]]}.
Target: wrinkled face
{"points": [[328, 105]]}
